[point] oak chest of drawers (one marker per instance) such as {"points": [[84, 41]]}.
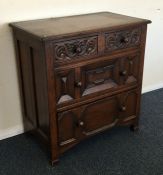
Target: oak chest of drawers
{"points": [[80, 75]]}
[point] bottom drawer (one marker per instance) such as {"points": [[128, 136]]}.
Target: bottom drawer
{"points": [[77, 123]]}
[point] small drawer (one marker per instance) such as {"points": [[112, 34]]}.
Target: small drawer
{"points": [[123, 39], [74, 49]]}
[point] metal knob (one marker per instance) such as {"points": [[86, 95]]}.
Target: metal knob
{"points": [[62, 55], [123, 73], [124, 40], [78, 84], [81, 123], [89, 49], [123, 108], [78, 50]]}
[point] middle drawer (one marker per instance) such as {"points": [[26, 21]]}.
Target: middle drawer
{"points": [[97, 78]]}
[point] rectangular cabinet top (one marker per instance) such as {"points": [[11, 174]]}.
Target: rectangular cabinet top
{"points": [[52, 27]]}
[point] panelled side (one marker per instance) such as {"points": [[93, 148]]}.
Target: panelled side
{"points": [[33, 84]]}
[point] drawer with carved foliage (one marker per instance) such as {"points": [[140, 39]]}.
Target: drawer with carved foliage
{"points": [[122, 39], [75, 49]]}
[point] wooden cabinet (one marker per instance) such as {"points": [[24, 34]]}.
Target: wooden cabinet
{"points": [[79, 75]]}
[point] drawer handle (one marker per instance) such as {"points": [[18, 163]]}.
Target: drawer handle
{"points": [[63, 55], [100, 81], [124, 40], [78, 50], [123, 73], [90, 49], [81, 123], [78, 84], [123, 108]]}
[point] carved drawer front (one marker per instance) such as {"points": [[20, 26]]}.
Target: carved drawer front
{"points": [[100, 76], [122, 39], [65, 90], [70, 50], [128, 105], [67, 127]]}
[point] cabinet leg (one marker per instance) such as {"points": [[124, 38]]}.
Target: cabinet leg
{"points": [[134, 127], [54, 162], [54, 157]]}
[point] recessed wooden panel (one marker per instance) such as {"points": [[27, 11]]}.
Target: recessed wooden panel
{"points": [[67, 125], [26, 61], [100, 115], [128, 101], [41, 93]]}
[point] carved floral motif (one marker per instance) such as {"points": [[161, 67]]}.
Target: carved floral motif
{"points": [[122, 39], [75, 48]]}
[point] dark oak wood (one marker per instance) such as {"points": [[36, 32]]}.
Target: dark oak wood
{"points": [[52, 27], [79, 75]]}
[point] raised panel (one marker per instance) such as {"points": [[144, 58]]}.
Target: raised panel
{"points": [[99, 76], [130, 69], [100, 115], [67, 126], [65, 91]]}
